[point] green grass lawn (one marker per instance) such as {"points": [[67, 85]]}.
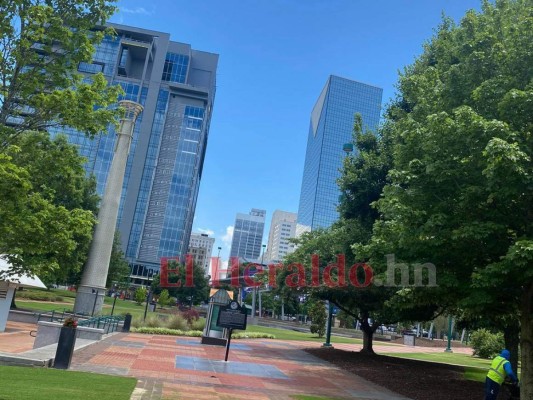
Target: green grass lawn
{"points": [[122, 307], [475, 368], [25, 383], [445, 358], [39, 306], [475, 374], [285, 334]]}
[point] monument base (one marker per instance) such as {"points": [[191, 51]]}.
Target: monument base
{"points": [[213, 341], [89, 300]]}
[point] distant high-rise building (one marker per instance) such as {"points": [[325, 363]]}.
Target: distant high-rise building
{"points": [[331, 127], [201, 248], [248, 235], [176, 86], [282, 228]]}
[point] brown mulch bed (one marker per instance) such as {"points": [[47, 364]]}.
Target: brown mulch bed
{"points": [[417, 380]]}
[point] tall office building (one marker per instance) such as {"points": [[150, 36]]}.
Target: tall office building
{"points": [[248, 235], [201, 248], [282, 228], [331, 127], [176, 86]]}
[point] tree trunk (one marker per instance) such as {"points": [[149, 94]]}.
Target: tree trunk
{"points": [[13, 305], [368, 335], [511, 335], [526, 343]]}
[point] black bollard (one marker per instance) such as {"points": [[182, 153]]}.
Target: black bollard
{"points": [[65, 347], [127, 323]]}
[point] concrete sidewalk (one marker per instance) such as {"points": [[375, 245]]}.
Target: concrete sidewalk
{"points": [[16, 346]]}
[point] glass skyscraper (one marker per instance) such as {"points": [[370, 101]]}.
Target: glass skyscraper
{"points": [[176, 86], [331, 127], [247, 239]]}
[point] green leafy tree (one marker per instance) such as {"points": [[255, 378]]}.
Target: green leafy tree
{"points": [[47, 207], [461, 190], [164, 298], [140, 295], [317, 312], [199, 291], [363, 177], [42, 44]]}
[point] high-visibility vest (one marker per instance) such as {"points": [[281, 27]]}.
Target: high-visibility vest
{"points": [[497, 370]]}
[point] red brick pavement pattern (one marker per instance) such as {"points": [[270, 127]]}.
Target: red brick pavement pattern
{"points": [[151, 359], [16, 338]]}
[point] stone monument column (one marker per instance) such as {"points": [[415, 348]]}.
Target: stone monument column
{"points": [[90, 297]]}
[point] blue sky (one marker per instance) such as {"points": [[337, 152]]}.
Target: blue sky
{"points": [[275, 58]]}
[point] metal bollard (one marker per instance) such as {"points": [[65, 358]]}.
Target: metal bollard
{"points": [[127, 323]]}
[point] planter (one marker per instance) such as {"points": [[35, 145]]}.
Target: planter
{"points": [[65, 347]]}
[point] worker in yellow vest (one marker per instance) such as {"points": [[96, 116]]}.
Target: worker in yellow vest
{"points": [[499, 370]]}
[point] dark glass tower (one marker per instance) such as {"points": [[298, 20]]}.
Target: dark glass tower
{"points": [[176, 86], [331, 127]]}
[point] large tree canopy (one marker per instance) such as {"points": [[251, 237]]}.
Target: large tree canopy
{"points": [[48, 206], [43, 42], [461, 187]]}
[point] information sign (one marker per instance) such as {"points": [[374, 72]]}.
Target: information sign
{"points": [[232, 316]]}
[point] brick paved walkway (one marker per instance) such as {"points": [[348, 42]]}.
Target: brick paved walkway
{"points": [[16, 338], [168, 367]]}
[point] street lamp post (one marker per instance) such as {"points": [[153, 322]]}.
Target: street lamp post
{"points": [[114, 301], [95, 292], [449, 347], [148, 298], [328, 326], [254, 289]]}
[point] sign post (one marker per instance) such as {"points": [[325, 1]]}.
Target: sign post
{"points": [[232, 316], [227, 344]]}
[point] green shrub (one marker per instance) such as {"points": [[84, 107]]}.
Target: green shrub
{"points": [[140, 295], [166, 331], [198, 325], [38, 296], [252, 335], [152, 321], [164, 298], [176, 321], [136, 322], [178, 332], [487, 344]]}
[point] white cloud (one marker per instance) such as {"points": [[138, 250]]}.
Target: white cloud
{"points": [[136, 10], [209, 232], [228, 236]]}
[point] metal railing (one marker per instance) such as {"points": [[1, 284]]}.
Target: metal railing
{"points": [[108, 323], [58, 315], [52, 316]]}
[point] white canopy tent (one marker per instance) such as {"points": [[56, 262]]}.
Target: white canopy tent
{"points": [[8, 284]]}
